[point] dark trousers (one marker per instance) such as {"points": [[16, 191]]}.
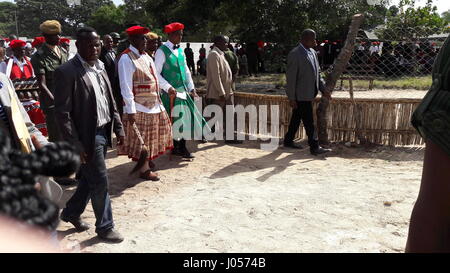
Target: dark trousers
{"points": [[93, 186], [304, 112], [191, 66], [52, 127]]}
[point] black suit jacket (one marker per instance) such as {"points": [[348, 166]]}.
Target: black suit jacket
{"points": [[76, 107], [110, 64]]}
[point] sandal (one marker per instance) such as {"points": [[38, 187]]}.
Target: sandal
{"points": [[149, 175]]}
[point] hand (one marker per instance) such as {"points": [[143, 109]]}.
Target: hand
{"points": [[327, 95], [131, 118], [293, 104], [172, 92], [194, 94], [83, 158], [120, 140]]}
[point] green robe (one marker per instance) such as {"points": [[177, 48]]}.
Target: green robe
{"points": [[190, 122]]}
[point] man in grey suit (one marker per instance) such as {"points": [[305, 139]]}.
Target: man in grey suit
{"points": [[303, 84], [87, 115]]}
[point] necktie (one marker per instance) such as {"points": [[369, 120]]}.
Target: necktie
{"points": [[176, 46], [19, 124]]}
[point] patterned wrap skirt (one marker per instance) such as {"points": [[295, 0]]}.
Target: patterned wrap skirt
{"points": [[155, 129]]}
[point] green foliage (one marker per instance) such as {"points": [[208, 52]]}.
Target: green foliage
{"points": [[411, 22], [32, 13], [7, 18], [446, 16], [107, 19]]}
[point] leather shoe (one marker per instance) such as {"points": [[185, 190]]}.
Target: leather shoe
{"points": [[234, 141], [319, 151], [110, 235], [63, 181], [79, 225], [293, 145]]}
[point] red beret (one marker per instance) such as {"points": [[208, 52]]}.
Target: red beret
{"points": [[17, 44], [137, 30], [173, 27], [64, 41], [38, 41]]}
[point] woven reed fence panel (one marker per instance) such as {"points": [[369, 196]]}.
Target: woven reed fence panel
{"points": [[377, 121]]}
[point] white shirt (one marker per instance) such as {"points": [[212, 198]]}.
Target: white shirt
{"points": [[126, 70], [160, 59], [95, 75]]}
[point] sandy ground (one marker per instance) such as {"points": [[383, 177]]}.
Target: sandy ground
{"points": [[244, 199]]}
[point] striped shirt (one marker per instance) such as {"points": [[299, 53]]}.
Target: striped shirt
{"points": [[98, 82]]}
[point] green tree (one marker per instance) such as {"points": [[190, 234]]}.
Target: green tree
{"points": [[107, 19], [446, 16], [412, 23], [7, 18]]}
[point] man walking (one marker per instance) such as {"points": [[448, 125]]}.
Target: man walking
{"points": [[219, 90], [303, 84], [176, 80], [87, 116], [45, 61]]}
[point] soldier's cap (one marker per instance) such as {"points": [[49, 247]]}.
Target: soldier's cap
{"points": [[51, 27]]}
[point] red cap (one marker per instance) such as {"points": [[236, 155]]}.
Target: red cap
{"points": [[17, 44], [173, 27], [38, 41], [64, 41], [137, 30]]}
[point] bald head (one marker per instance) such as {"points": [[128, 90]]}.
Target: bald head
{"points": [[308, 38], [108, 42], [221, 42]]}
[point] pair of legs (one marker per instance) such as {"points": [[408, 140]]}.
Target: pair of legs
{"points": [[303, 112], [93, 185]]}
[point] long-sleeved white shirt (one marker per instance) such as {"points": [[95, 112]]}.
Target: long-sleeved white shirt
{"points": [[126, 70], [160, 59]]}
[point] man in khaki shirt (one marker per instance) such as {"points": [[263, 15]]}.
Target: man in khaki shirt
{"points": [[220, 79]]}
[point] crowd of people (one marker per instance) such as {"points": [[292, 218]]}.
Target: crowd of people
{"points": [[140, 89]]}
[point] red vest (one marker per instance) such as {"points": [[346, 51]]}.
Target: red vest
{"points": [[16, 73]]}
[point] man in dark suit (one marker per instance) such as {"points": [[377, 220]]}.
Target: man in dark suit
{"points": [[87, 115], [108, 57], [303, 84]]}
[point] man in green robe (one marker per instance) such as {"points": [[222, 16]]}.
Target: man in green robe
{"points": [[176, 81]]}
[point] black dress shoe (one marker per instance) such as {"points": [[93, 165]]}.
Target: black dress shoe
{"points": [[234, 141], [63, 181], [110, 235], [292, 145], [79, 225], [319, 151]]}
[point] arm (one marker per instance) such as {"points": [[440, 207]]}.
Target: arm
{"points": [[126, 70], [160, 59], [291, 75], [63, 108], [214, 73], [39, 70]]}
